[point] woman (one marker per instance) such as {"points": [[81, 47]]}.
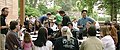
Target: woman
{"points": [[30, 28], [37, 25], [66, 42], [113, 33], [107, 40], [41, 43]]}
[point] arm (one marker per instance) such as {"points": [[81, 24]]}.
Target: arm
{"points": [[82, 46], [15, 40], [92, 21], [79, 25]]}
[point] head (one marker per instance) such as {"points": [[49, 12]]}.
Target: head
{"points": [[38, 23], [42, 37], [88, 24], [5, 11], [92, 31], [62, 13], [105, 31], [66, 32], [30, 25], [14, 25], [84, 13], [48, 14], [46, 24], [27, 38], [107, 22], [74, 20], [70, 25]]}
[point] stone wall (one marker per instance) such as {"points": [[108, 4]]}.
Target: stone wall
{"points": [[13, 9]]}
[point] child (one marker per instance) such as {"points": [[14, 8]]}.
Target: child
{"points": [[27, 42]]}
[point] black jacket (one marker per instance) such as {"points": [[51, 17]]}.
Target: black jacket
{"points": [[66, 19], [63, 44]]}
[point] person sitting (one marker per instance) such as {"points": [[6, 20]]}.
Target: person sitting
{"points": [[30, 28], [107, 40], [42, 42], [92, 42], [67, 41]]}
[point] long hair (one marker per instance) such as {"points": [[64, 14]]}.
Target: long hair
{"points": [[37, 26], [66, 32], [42, 37], [105, 31], [27, 38], [114, 34]]}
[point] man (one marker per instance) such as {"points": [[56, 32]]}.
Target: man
{"points": [[58, 18], [82, 22], [12, 41], [73, 30], [44, 18], [92, 42], [66, 19], [3, 25]]}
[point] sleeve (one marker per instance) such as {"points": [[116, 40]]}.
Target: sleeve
{"points": [[69, 19], [77, 46], [15, 40], [82, 46], [78, 23], [91, 20], [104, 41], [49, 43], [22, 44]]}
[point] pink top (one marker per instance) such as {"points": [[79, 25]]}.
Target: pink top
{"points": [[27, 46]]}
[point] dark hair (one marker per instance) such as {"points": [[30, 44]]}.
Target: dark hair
{"points": [[61, 12], [13, 25], [69, 23], [92, 31], [42, 37], [37, 27], [4, 8], [84, 11], [107, 22], [48, 13], [27, 38]]}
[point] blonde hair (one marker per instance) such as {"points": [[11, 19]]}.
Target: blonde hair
{"points": [[66, 32], [105, 31]]}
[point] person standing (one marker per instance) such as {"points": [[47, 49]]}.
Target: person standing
{"points": [[45, 18], [66, 19], [3, 26], [107, 40], [27, 43], [12, 41]]}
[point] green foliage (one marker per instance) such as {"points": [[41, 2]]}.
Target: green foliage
{"points": [[31, 11]]}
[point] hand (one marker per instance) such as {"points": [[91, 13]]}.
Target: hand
{"points": [[7, 26]]}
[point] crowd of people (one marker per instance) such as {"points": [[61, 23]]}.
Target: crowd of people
{"points": [[59, 33]]}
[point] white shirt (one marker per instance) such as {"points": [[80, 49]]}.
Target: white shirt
{"points": [[48, 45], [108, 43], [74, 24]]}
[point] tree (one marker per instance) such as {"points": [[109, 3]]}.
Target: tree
{"points": [[112, 7]]}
